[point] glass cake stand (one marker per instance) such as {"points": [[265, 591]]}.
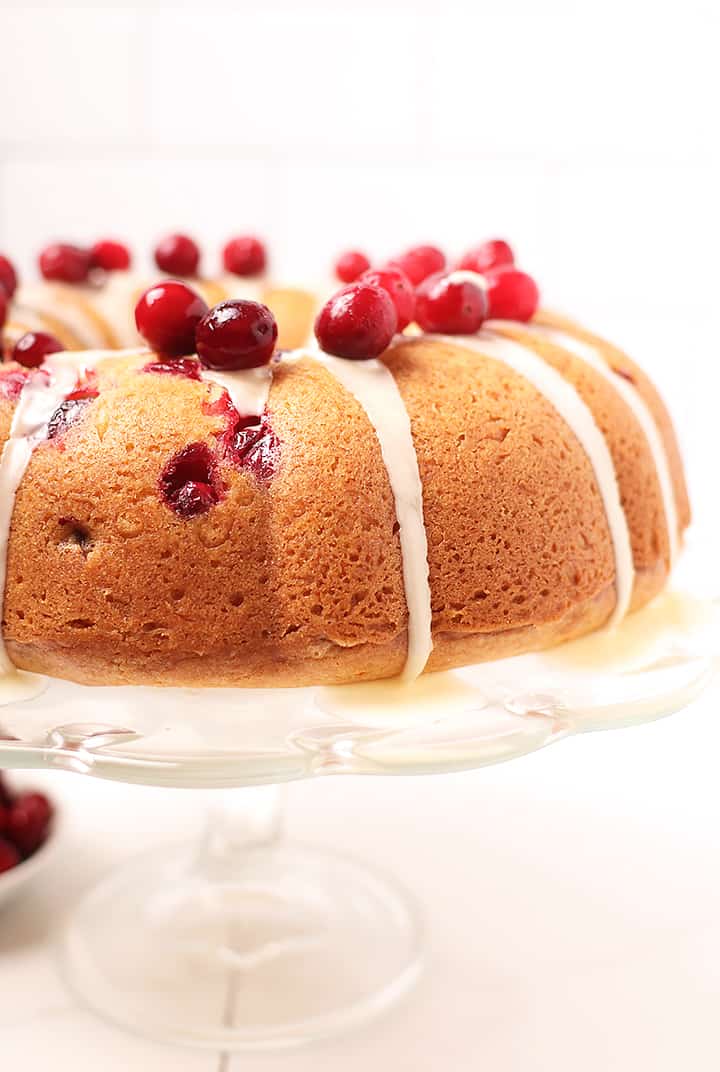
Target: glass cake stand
{"points": [[245, 941]]}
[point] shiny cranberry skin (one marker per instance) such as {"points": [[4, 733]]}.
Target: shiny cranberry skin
{"points": [[3, 307], [400, 289], [236, 334], [9, 856], [8, 277], [167, 316], [488, 255], [244, 256], [512, 295], [28, 822], [33, 347], [110, 256], [449, 305], [420, 262], [350, 265], [178, 254], [358, 322], [64, 263]]}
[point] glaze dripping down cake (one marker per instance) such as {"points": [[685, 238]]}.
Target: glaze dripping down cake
{"points": [[384, 501]]}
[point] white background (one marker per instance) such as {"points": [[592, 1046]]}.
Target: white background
{"points": [[572, 895]]}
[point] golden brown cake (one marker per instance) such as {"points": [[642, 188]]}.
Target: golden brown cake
{"points": [[295, 575]]}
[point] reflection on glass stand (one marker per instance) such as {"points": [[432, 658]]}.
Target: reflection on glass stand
{"points": [[246, 941]]}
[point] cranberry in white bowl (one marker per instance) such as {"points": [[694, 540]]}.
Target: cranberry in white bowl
{"points": [[28, 822]]}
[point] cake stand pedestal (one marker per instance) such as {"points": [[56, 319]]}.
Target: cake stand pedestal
{"points": [[244, 941]]}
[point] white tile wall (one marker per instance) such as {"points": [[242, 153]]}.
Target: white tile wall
{"points": [[585, 133], [283, 82], [66, 78]]}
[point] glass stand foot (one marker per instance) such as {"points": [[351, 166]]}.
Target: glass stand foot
{"points": [[266, 947]]}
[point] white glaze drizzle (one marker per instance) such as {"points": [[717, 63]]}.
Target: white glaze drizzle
{"points": [[567, 402], [249, 389], [373, 387], [632, 397]]}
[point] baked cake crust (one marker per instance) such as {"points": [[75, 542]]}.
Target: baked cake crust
{"points": [[297, 579]]}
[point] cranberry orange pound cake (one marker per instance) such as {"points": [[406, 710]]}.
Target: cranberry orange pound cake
{"points": [[446, 475]]}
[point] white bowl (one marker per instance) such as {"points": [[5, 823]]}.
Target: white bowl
{"points": [[18, 878]]}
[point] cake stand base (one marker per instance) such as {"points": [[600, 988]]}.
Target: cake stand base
{"points": [[250, 945]]}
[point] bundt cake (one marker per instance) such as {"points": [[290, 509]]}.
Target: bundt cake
{"points": [[213, 509]]}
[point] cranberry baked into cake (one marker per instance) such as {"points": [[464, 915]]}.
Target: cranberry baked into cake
{"points": [[444, 474]]}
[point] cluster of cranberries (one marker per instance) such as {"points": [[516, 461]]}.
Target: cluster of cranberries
{"points": [[32, 348], [360, 320], [176, 254], [24, 825], [175, 321], [179, 254], [64, 262]]}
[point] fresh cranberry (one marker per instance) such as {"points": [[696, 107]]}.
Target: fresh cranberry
{"points": [[244, 256], [358, 322], [9, 856], [400, 289], [189, 483], [167, 316], [350, 265], [420, 262], [488, 255], [12, 381], [8, 277], [236, 334], [64, 263], [6, 794], [177, 254], [110, 256], [512, 295], [176, 366], [33, 347], [456, 306], [3, 307], [4, 817], [28, 822]]}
